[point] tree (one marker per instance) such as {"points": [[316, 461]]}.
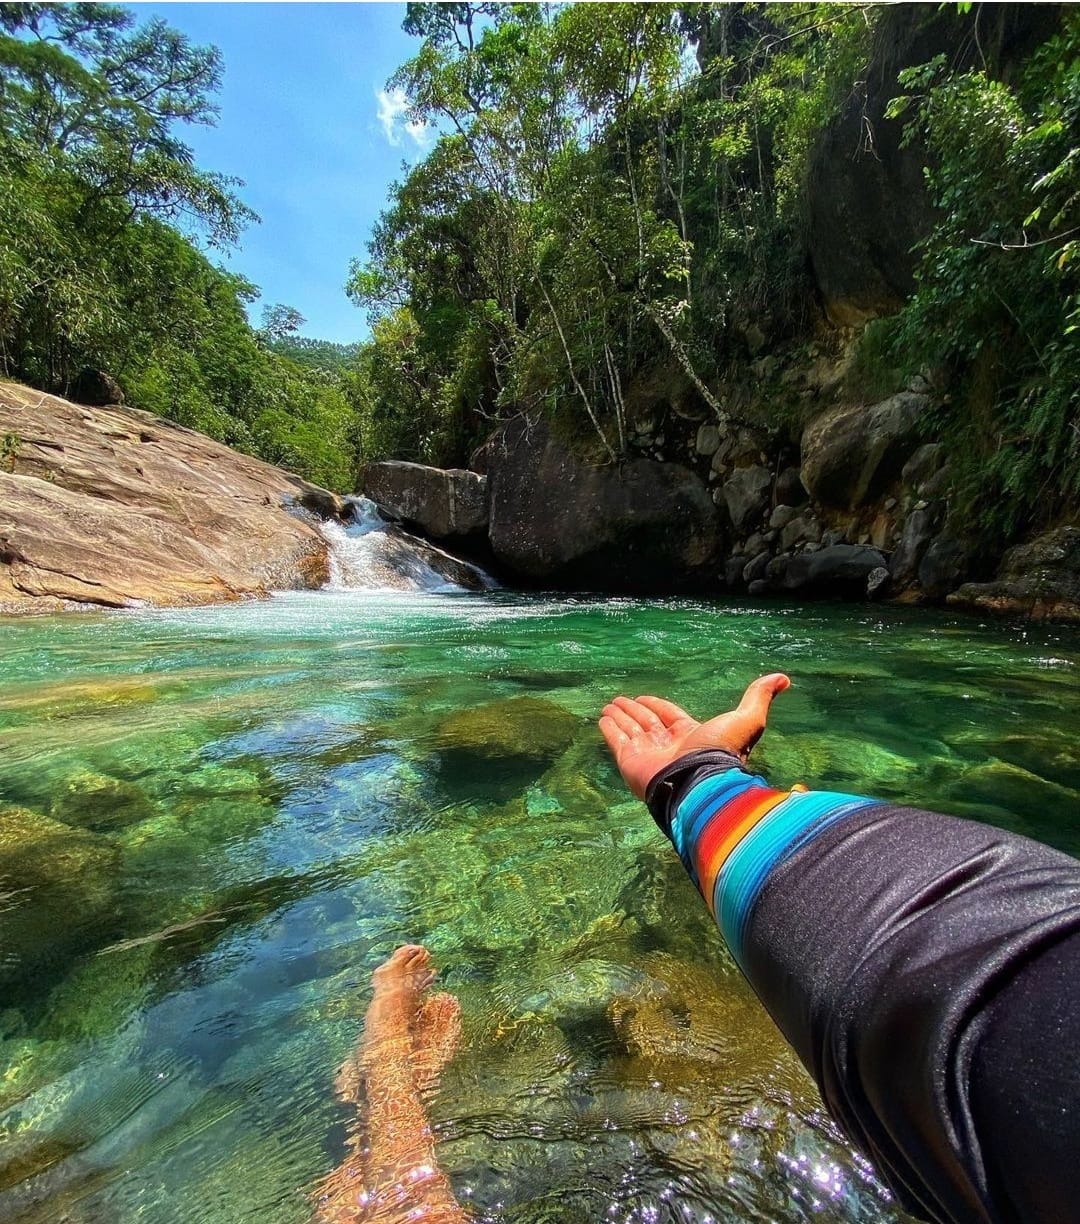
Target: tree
{"points": [[280, 321], [99, 204], [84, 87]]}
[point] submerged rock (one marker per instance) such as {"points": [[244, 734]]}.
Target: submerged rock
{"points": [[57, 890], [580, 993], [529, 728], [502, 743], [98, 802]]}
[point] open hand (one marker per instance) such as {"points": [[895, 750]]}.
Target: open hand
{"points": [[648, 733]]}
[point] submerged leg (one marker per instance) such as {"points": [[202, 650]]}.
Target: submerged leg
{"points": [[390, 1174], [436, 1034]]}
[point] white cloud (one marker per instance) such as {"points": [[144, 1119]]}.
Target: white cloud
{"points": [[393, 111]]}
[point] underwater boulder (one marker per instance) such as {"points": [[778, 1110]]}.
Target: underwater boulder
{"points": [[57, 892], [581, 993], [101, 803], [527, 729]]}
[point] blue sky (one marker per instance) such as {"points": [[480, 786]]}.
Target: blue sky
{"points": [[305, 122]]}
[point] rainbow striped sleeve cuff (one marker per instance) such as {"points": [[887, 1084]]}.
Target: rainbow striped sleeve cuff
{"points": [[731, 829]]}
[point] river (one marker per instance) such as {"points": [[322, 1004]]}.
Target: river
{"points": [[219, 820]]}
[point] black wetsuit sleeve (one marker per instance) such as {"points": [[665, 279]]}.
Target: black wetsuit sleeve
{"points": [[926, 970]]}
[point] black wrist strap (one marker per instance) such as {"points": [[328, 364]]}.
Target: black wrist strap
{"points": [[673, 781]]}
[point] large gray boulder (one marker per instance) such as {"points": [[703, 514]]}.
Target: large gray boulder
{"points": [[440, 502], [558, 521], [851, 452], [746, 495], [96, 388], [842, 569], [1040, 579], [918, 531], [944, 566]]}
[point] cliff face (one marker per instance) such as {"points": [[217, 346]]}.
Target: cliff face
{"points": [[867, 202], [116, 507]]}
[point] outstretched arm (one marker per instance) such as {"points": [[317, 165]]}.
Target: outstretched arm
{"points": [[925, 968]]}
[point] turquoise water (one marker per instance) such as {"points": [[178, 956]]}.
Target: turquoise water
{"points": [[214, 823]]}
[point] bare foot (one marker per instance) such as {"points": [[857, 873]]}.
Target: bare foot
{"points": [[390, 1174], [399, 984], [394, 1009], [436, 1033]]}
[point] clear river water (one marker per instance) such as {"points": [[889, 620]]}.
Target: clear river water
{"points": [[215, 822]]}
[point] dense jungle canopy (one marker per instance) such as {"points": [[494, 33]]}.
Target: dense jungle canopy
{"points": [[620, 195]]}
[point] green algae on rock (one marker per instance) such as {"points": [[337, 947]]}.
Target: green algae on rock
{"points": [[57, 892], [100, 803], [531, 728]]}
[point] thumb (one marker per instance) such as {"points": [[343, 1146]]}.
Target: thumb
{"points": [[758, 696], [753, 709]]}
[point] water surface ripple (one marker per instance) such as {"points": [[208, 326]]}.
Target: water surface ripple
{"points": [[214, 823]]}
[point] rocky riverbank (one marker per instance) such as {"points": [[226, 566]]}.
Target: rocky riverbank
{"points": [[854, 504], [115, 507], [110, 506]]}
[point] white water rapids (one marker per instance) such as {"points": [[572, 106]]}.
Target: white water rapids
{"points": [[370, 554]]}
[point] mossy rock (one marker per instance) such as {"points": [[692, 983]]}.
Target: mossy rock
{"points": [[27, 1155], [516, 728], [101, 803], [580, 993], [100, 994], [57, 892]]}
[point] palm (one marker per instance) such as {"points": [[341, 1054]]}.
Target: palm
{"points": [[648, 733]]}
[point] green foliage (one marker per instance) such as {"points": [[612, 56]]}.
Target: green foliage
{"points": [[619, 197], [94, 269], [9, 450], [998, 299], [617, 190]]}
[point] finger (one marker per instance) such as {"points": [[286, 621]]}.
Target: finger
{"points": [[667, 711], [613, 735], [642, 715], [759, 695], [753, 710], [627, 725]]}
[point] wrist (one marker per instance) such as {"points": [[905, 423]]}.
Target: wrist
{"points": [[667, 786]]}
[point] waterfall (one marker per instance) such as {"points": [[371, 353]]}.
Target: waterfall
{"points": [[370, 554]]}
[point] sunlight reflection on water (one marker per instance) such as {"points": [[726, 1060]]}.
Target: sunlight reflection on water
{"points": [[227, 816]]}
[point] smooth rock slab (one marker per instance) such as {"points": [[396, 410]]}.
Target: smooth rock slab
{"points": [[117, 507]]}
